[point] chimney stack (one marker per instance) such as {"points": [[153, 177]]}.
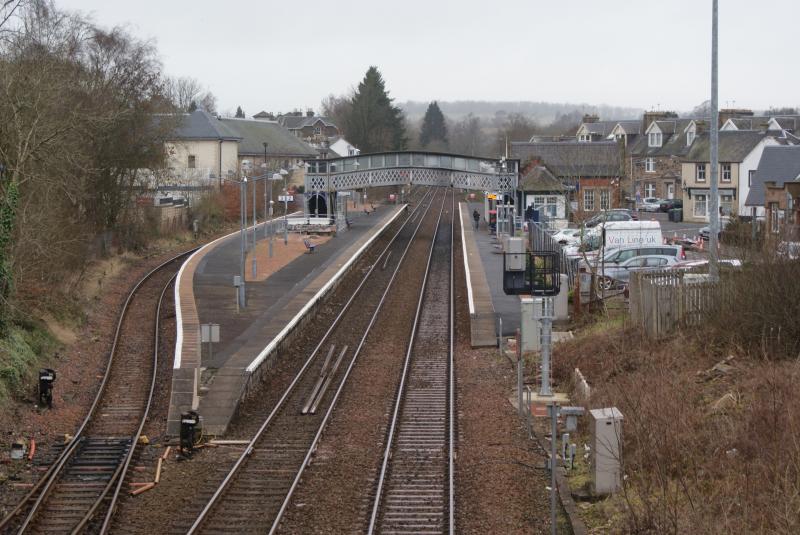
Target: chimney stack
{"points": [[729, 113], [593, 118]]}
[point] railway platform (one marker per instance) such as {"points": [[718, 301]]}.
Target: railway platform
{"points": [[213, 378]]}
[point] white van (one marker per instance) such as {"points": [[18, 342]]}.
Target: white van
{"points": [[619, 234]]}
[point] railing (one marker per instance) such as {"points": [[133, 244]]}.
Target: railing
{"points": [[663, 301], [539, 239]]}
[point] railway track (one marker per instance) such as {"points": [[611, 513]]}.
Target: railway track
{"points": [[415, 490], [255, 493], [84, 481]]}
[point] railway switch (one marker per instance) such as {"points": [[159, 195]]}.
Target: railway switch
{"points": [[191, 430], [47, 377]]}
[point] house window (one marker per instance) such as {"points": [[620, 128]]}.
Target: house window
{"points": [[317, 130], [689, 137], [726, 204], [700, 205], [547, 204], [750, 174], [700, 172], [654, 139], [726, 172], [605, 199], [192, 161], [650, 165], [584, 137], [588, 200], [650, 189]]}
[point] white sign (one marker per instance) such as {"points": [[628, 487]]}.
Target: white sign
{"points": [[209, 332], [344, 193], [285, 198]]}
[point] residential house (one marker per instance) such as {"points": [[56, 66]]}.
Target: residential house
{"points": [[201, 148], [540, 189], [653, 162], [739, 154], [776, 187], [590, 171], [313, 129], [593, 129], [282, 151], [339, 146]]}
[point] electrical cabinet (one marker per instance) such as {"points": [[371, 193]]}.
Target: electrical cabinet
{"points": [[606, 444]]}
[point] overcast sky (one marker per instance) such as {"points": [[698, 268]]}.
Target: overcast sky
{"points": [[279, 55]]}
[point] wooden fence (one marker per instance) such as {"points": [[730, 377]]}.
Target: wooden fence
{"points": [[662, 301]]}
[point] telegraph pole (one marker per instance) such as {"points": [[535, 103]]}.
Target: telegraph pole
{"points": [[713, 240]]}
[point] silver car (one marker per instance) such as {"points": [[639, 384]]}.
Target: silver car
{"points": [[618, 273]]}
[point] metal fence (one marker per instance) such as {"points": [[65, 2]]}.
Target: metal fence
{"points": [[540, 239], [663, 301]]}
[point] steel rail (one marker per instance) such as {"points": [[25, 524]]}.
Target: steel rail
{"points": [[204, 513], [451, 386], [45, 483], [402, 386], [328, 413], [123, 470]]}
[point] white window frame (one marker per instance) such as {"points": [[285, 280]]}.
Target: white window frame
{"points": [[317, 130], [588, 200], [698, 175], [690, 135], [649, 190], [726, 172], [584, 138], [650, 165], [654, 139], [698, 204], [605, 199], [750, 174]]}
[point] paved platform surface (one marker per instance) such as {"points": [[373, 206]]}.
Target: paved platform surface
{"points": [[483, 331], [214, 382], [507, 307]]}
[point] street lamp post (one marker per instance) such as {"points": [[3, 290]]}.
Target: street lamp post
{"points": [[254, 261], [265, 191], [242, 226]]}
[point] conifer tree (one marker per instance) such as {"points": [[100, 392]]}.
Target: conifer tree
{"points": [[239, 113], [373, 123], [433, 133]]}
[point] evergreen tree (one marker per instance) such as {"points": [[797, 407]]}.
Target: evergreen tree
{"points": [[373, 123], [433, 133], [239, 113], [192, 106]]}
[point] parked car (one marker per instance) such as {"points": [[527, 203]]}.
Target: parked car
{"points": [[789, 249], [669, 204], [615, 273], [568, 236], [650, 204], [617, 214], [705, 232], [623, 254], [691, 264]]}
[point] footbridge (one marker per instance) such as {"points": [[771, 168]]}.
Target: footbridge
{"points": [[327, 179]]}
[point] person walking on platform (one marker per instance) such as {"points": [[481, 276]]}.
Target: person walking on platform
{"points": [[477, 217]]}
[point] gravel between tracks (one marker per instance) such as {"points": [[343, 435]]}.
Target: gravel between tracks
{"points": [[500, 485], [334, 495]]}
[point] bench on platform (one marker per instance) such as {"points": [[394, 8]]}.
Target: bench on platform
{"points": [[309, 246]]}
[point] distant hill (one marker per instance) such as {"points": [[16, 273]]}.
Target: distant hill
{"points": [[542, 112]]}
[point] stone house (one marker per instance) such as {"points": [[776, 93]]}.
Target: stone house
{"points": [[653, 163], [589, 171], [739, 154], [776, 188]]}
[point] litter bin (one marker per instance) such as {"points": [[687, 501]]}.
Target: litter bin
{"points": [[676, 215]]}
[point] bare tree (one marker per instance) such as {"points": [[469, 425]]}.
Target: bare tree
{"points": [[185, 91], [467, 136]]}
